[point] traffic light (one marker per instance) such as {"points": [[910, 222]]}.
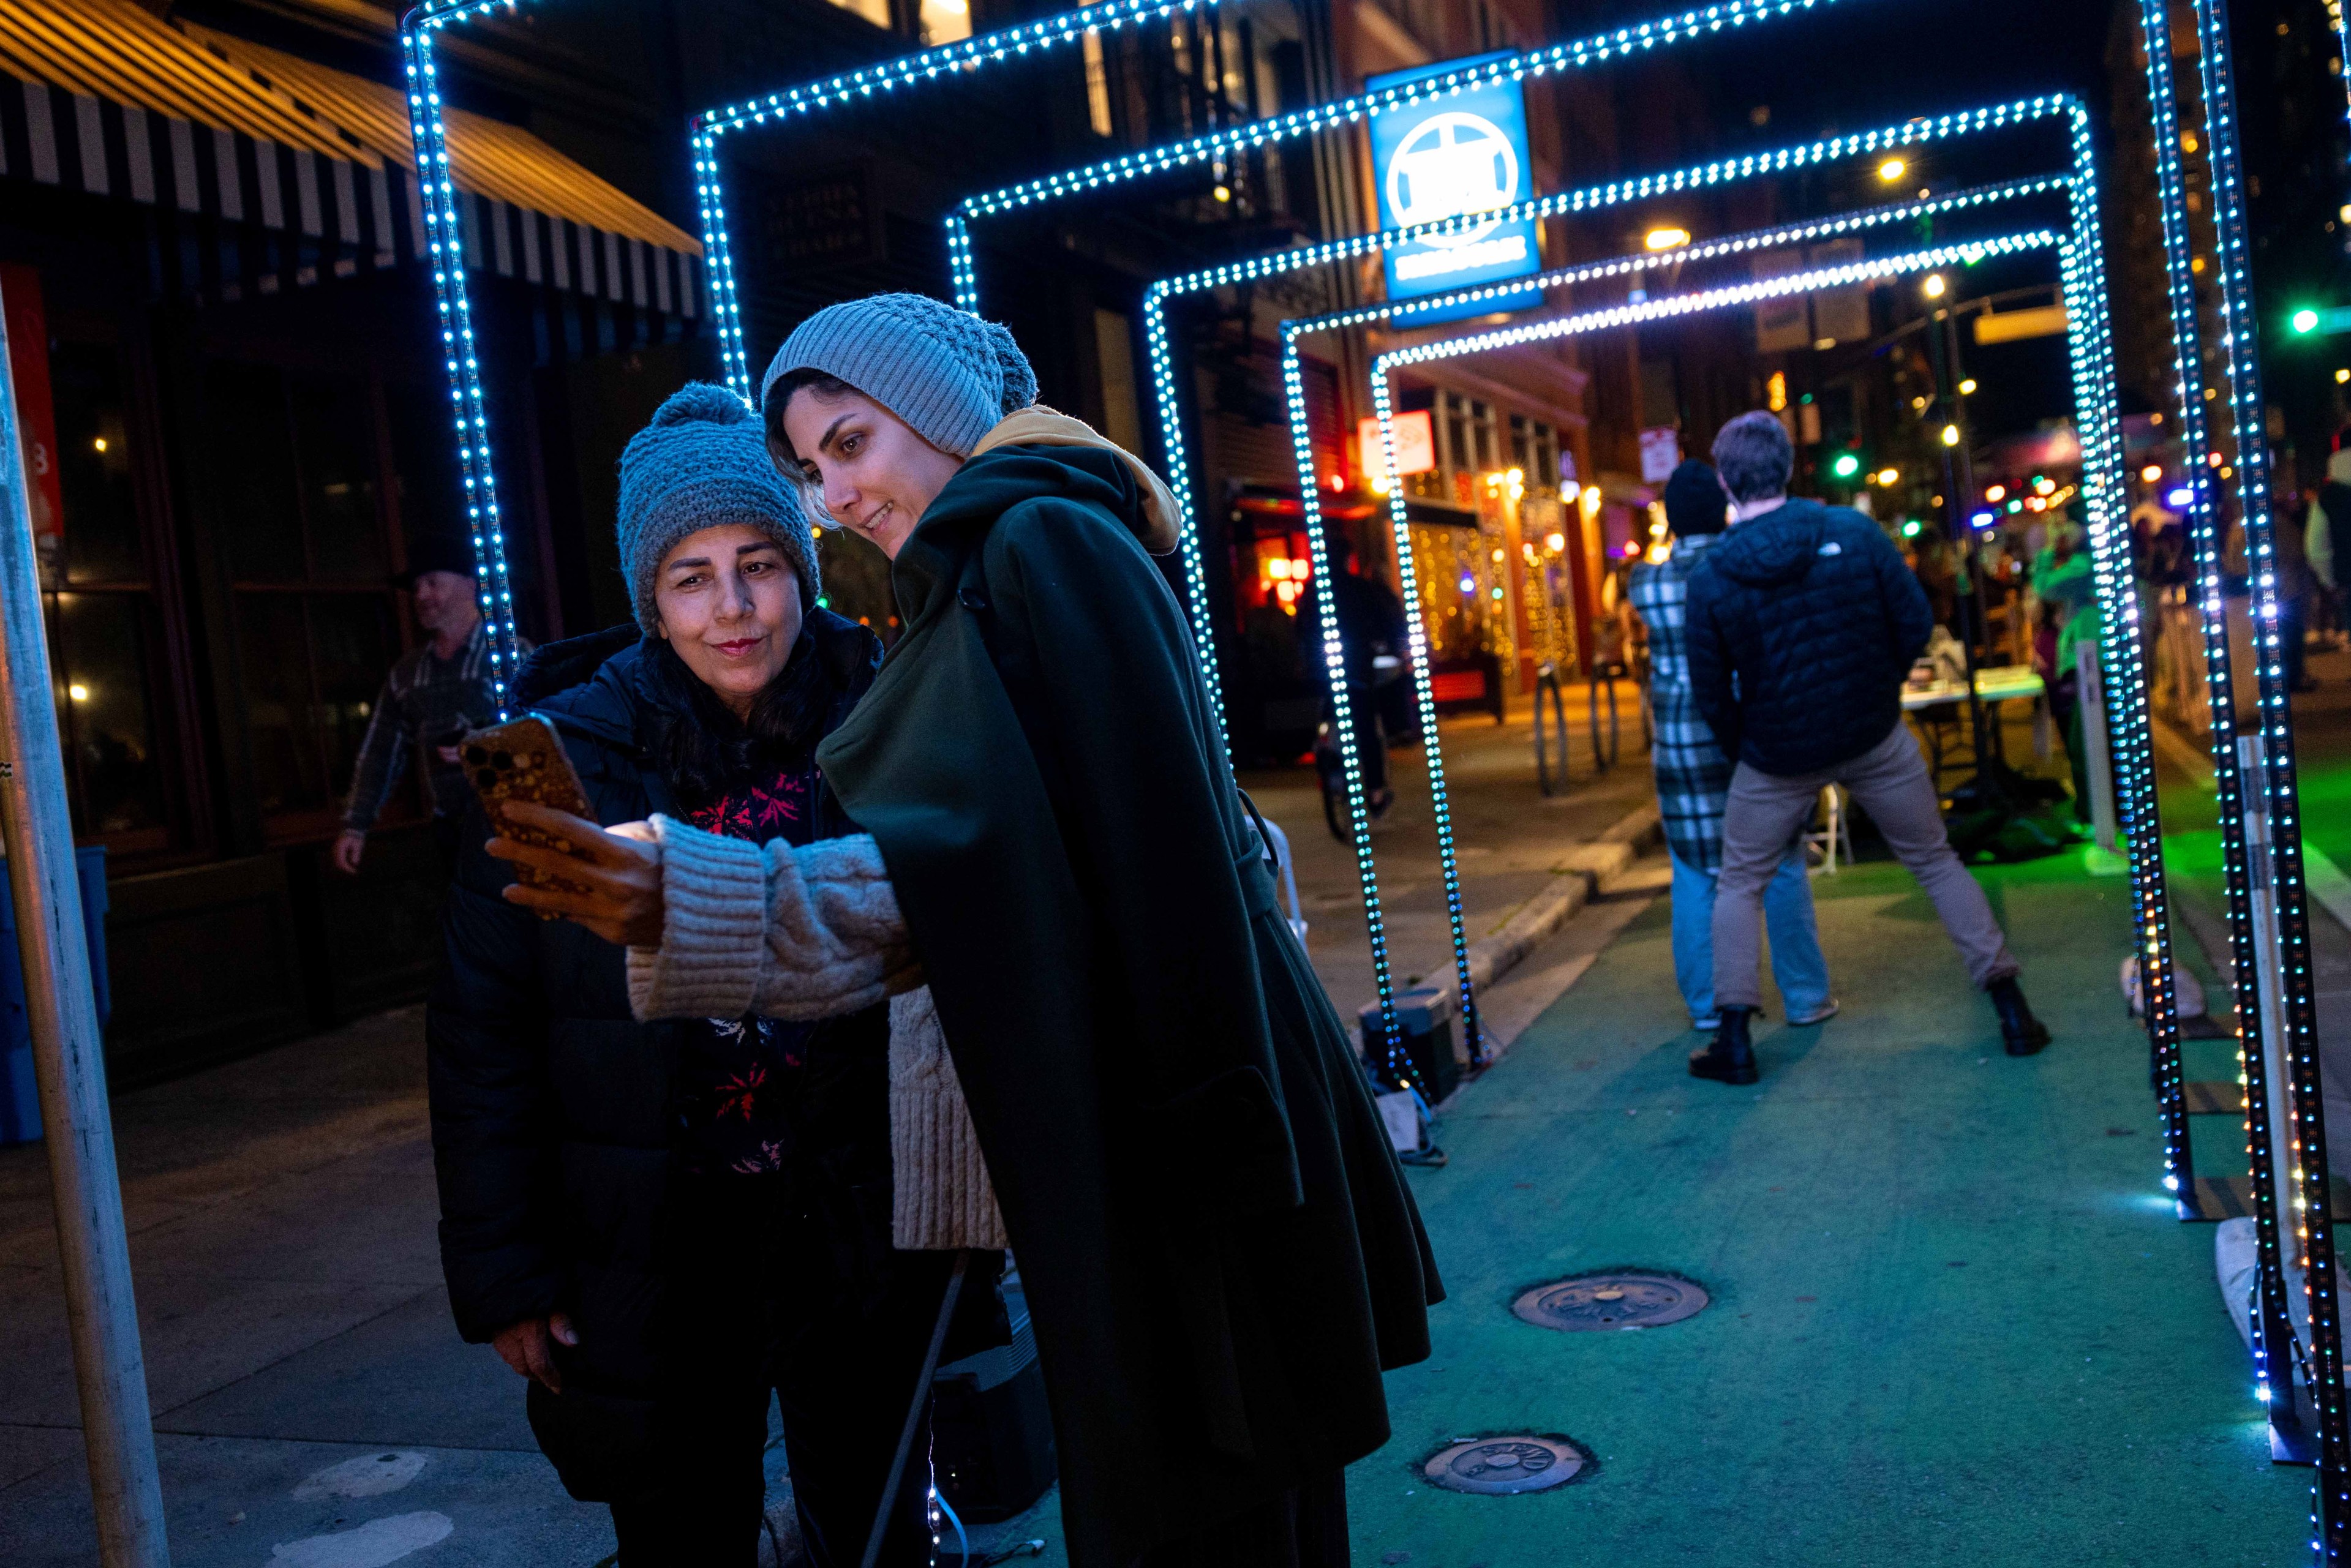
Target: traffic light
{"points": [[2305, 321], [1845, 465]]}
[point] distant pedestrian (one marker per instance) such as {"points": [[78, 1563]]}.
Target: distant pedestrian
{"points": [[2326, 536], [435, 693], [1693, 776], [1374, 651], [1802, 624]]}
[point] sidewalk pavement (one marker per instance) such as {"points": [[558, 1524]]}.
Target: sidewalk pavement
{"points": [[1952, 1320], [1527, 860], [313, 1403]]}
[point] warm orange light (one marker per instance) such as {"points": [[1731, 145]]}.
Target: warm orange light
{"points": [[1997, 493], [2152, 473], [1554, 543]]}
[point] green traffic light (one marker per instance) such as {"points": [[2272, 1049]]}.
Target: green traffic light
{"points": [[1846, 466], [2305, 320]]}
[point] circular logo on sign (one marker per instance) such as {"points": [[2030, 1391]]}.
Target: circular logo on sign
{"points": [[1452, 163]]}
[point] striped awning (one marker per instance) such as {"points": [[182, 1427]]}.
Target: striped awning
{"points": [[106, 98]]}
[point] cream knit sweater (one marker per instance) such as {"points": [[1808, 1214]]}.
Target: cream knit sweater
{"points": [[812, 932]]}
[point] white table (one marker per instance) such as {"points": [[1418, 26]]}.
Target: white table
{"points": [[2000, 683]]}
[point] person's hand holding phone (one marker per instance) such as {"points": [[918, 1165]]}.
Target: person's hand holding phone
{"points": [[617, 872]]}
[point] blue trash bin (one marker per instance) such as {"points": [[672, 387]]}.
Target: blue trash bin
{"points": [[20, 1100]]}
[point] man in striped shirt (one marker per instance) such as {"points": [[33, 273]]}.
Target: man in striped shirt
{"points": [[434, 694], [1693, 778]]}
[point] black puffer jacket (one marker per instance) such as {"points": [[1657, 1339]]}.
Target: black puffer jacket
{"points": [[1803, 623], [551, 1105]]}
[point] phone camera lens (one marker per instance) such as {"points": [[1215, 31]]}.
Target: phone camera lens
{"points": [[476, 756], [486, 779], [502, 760]]}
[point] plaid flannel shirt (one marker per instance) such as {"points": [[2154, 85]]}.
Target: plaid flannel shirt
{"points": [[1693, 775]]}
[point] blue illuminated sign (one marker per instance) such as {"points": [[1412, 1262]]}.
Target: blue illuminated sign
{"points": [[1447, 157]]}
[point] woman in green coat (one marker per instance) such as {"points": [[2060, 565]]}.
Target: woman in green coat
{"points": [[1220, 1251]]}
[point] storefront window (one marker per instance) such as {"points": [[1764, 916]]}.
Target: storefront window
{"points": [[104, 632], [298, 476]]}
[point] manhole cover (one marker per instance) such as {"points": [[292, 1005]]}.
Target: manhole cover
{"points": [[1497, 1466], [1619, 1298]]}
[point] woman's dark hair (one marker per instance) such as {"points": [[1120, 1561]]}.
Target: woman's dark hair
{"points": [[705, 752], [827, 387]]}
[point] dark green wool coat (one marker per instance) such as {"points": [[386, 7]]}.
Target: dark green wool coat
{"points": [[1220, 1251]]}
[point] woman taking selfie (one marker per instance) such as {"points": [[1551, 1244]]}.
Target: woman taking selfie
{"points": [[660, 1223], [1219, 1253]]}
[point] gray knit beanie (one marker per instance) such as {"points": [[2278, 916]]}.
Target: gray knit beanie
{"points": [[950, 375], [702, 462]]}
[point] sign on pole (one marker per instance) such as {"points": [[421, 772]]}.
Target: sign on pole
{"points": [[1449, 158]]}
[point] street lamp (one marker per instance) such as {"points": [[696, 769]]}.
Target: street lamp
{"points": [[1666, 239], [1893, 169], [1950, 436], [1934, 286]]}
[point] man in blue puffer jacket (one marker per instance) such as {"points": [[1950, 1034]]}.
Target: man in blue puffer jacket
{"points": [[1803, 623]]}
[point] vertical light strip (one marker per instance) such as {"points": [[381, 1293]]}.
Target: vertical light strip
{"points": [[1424, 694], [1399, 1068], [2122, 650], [2280, 799], [718, 264], [446, 254], [2271, 1334]]}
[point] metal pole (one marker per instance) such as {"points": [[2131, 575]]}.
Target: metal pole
{"points": [[68, 1057], [2091, 696]]}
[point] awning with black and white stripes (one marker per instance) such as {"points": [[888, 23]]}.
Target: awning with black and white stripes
{"points": [[100, 97]]}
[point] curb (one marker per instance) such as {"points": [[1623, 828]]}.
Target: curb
{"points": [[1539, 919]]}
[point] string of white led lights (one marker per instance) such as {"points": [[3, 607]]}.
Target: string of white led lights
{"points": [[1295, 331], [2274, 772], [2123, 644], [2203, 530], [1537, 62], [445, 247]]}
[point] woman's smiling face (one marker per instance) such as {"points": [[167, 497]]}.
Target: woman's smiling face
{"points": [[729, 603], [873, 474]]}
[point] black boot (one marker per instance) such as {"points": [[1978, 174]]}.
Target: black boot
{"points": [[1730, 1059], [2019, 1030]]}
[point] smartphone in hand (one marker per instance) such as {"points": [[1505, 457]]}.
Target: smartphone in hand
{"points": [[524, 761]]}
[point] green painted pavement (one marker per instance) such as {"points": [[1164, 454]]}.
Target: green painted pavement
{"points": [[1954, 1321]]}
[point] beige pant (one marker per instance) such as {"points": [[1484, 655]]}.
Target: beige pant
{"points": [[1889, 781]]}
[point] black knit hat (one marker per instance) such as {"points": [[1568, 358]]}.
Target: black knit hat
{"points": [[436, 553], [1695, 503]]}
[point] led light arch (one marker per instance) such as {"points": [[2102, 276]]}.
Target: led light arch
{"points": [[2275, 805], [2083, 268], [1309, 489], [1052, 32], [1982, 120]]}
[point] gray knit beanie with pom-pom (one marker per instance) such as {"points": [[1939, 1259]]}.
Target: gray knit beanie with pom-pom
{"points": [[950, 375], [702, 462]]}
